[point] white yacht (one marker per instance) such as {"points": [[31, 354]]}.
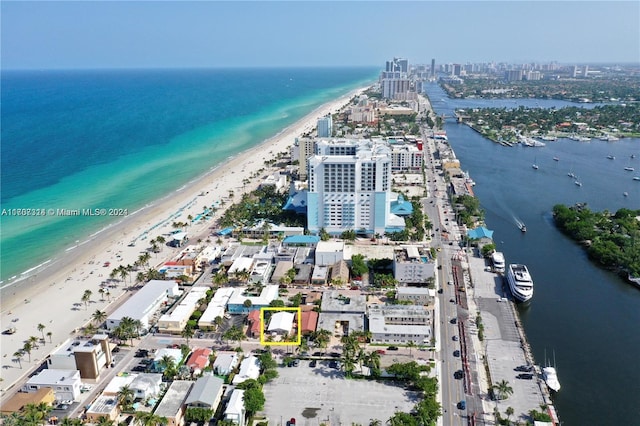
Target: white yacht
{"points": [[497, 258], [551, 378], [520, 282]]}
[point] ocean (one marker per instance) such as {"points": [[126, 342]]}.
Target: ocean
{"points": [[124, 138], [581, 315]]}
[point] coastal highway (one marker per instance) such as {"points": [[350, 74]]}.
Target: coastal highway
{"points": [[449, 359]]}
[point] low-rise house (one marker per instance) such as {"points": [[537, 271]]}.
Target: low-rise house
{"points": [[19, 400], [172, 405], [329, 252], [104, 406], [66, 384], [198, 360], [249, 369], [340, 272], [225, 363], [319, 275], [417, 295], [147, 385], [281, 323], [303, 274], [309, 322], [254, 324], [235, 411], [206, 393]]}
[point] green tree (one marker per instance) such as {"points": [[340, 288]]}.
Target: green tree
{"points": [[99, 317], [198, 414], [502, 389], [125, 398], [187, 333], [41, 328], [235, 333], [17, 356], [149, 419], [253, 400], [86, 298]]}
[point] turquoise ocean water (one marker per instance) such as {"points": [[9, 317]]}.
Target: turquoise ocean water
{"points": [[122, 139]]}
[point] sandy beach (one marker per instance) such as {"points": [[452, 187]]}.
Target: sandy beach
{"points": [[53, 296]]}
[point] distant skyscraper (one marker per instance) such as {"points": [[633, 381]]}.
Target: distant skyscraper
{"points": [[433, 68], [398, 64], [325, 127]]}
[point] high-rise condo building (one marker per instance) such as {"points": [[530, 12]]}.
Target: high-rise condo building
{"points": [[398, 64], [349, 188], [325, 127], [433, 68]]}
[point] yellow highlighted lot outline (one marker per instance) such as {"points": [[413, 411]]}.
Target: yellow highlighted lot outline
{"points": [[297, 311]]}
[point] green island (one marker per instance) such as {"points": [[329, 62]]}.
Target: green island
{"points": [[509, 126], [609, 88], [612, 240]]}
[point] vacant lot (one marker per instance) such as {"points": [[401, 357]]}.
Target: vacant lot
{"points": [[313, 395]]}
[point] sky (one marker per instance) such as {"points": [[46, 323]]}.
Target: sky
{"points": [[170, 34]]}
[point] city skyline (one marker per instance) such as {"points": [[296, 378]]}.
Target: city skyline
{"points": [[71, 35]]}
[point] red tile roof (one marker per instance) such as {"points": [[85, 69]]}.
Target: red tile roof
{"points": [[199, 358], [309, 321]]}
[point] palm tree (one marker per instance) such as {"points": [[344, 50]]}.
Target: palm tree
{"points": [[220, 279], [218, 321], [168, 365], [105, 421], [140, 277], [49, 334], [123, 272], [235, 333], [70, 422], [161, 240], [188, 332], [27, 348], [41, 328], [89, 329], [101, 291], [18, 357], [374, 362], [99, 316], [321, 338], [411, 344], [86, 298], [509, 412], [375, 422], [502, 389], [34, 341], [125, 397], [35, 414], [150, 419]]}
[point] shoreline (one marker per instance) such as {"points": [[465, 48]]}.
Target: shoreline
{"points": [[67, 275]]}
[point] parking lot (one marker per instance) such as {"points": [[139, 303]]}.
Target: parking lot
{"points": [[313, 395]]}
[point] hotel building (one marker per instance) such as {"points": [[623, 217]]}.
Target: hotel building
{"points": [[349, 187]]}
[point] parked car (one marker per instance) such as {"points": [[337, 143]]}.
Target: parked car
{"points": [[462, 405], [392, 348], [312, 363], [456, 353], [455, 338], [381, 352], [525, 376], [115, 350], [458, 374], [454, 321], [333, 364]]}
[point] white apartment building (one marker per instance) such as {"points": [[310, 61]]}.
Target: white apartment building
{"points": [[410, 266], [349, 187], [406, 158], [399, 324]]}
